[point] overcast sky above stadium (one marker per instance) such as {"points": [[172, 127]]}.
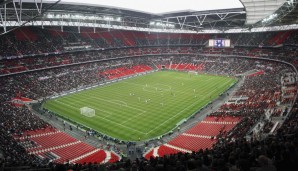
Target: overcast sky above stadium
{"points": [[163, 6]]}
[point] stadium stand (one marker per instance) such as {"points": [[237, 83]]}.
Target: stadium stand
{"points": [[23, 40], [217, 141]]}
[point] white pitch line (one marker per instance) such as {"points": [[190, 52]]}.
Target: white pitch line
{"points": [[133, 117], [153, 86], [185, 109], [110, 101], [169, 87], [67, 104], [124, 103], [153, 91]]}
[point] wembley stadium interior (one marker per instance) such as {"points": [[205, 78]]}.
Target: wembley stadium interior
{"points": [[54, 47]]}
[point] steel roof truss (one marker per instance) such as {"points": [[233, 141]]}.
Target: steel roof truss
{"points": [[181, 24], [222, 16], [18, 14], [201, 21], [3, 21], [39, 8], [3, 18]]}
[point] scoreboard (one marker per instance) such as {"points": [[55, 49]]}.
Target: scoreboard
{"points": [[219, 43]]}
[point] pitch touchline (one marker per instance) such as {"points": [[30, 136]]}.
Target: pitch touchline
{"points": [[184, 109], [103, 118]]}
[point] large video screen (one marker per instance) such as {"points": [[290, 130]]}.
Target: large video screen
{"points": [[220, 43]]}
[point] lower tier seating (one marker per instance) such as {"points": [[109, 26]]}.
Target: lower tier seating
{"points": [[192, 143], [97, 157], [164, 150], [70, 152]]}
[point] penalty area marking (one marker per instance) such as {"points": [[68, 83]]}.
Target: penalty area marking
{"points": [[79, 109], [111, 101], [104, 118]]}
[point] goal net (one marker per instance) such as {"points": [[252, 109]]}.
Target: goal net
{"points": [[87, 111], [192, 72]]}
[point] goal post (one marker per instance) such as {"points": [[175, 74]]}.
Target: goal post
{"points": [[86, 111], [192, 73]]}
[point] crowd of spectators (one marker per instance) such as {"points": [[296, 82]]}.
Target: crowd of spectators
{"points": [[34, 40], [14, 121], [18, 65], [50, 82]]}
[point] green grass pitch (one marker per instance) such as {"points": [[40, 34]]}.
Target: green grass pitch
{"points": [[142, 107]]}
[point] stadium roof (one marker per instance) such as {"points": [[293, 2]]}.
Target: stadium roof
{"points": [[255, 13], [257, 10], [159, 6]]}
